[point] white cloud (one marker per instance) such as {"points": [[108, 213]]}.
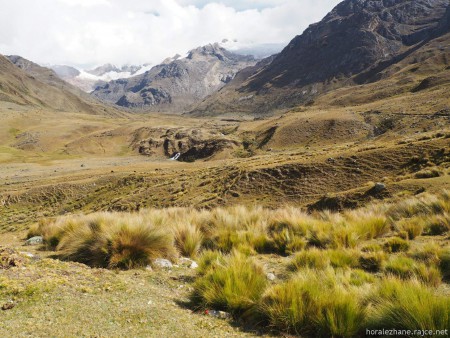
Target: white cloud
{"points": [[93, 32]]}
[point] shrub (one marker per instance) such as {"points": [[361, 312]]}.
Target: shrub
{"points": [[407, 305], [396, 244], [188, 239], [234, 286]]}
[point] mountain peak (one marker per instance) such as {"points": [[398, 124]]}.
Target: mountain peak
{"points": [[101, 70], [177, 82], [355, 35]]}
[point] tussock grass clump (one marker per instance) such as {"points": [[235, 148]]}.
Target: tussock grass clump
{"points": [[234, 284], [188, 239], [344, 258], [322, 259], [407, 305], [412, 226], [428, 253], [369, 224], [136, 245], [209, 259], [372, 261], [312, 258], [437, 225], [422, 206], [314, 304], [444, 264], [109, 240], [371, 247], [428, 173], [396, 244], [407, 268], [360, 277]]}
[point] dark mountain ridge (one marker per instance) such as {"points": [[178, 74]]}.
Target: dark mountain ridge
{"points": [[353, 44]]}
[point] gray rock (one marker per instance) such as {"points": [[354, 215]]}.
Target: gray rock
{"points": [[162, 263], [379, 187], [187, 262], [36, 240], [270, 276]]}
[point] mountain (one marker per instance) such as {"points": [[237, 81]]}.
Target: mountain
{"points": [[25, 83], [358, 42], [65, 72], [88, 80], [178, 82]]}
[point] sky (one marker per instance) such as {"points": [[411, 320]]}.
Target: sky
{"points": [[87, 33]]}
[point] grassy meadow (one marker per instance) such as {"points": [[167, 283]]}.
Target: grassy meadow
{"points": [[386, 265]]}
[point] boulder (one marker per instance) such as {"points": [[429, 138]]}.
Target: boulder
{"points": [[162, 263], [36, 240]]}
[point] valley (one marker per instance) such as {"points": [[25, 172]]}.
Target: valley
{"points": [[319, 171]]}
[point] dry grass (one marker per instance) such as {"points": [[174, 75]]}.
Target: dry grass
{"points": [[234, 284], [408, 306], [331, 286]]}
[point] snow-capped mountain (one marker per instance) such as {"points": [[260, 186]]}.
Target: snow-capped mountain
{"points": [[88, 80]]}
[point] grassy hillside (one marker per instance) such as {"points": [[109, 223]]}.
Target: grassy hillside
{"points": [[41, 89], [271, 270]]}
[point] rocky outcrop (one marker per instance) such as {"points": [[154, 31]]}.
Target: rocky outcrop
{"points": [[178, 82], [190, 144]]}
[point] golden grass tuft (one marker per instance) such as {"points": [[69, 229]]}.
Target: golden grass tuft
{"points": [[188, 239], [234, 284], [407, 305]]}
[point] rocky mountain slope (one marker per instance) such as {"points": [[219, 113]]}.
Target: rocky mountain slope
{"points": [[356, 43], [25, 83], [178, 82]]}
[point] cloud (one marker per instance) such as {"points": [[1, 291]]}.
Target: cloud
{"points": [[93, 32]]}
